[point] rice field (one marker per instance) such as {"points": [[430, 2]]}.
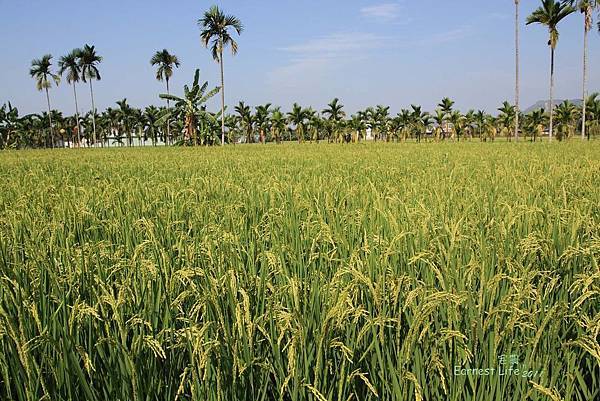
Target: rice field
{"points": [[301, 272]]}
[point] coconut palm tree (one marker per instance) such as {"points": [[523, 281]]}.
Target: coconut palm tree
{"points": [[550, 14], [89, 60], [43, 75], [165, 62], [69, 64], [216, 27], [190, 107], [517, 70]]}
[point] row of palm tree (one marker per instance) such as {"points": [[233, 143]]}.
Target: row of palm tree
{"points": [[187, 122], [550, 14], [82, 64], [79, 65], [217, 30]]}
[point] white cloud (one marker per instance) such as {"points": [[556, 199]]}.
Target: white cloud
{"points": [[384, 12], [334, 44], [322, 60], [314, 61]]}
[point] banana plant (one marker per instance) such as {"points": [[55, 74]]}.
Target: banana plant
{"points": [[9, 120], [191, 107]]}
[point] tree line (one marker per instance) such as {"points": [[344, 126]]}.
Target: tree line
{"points": [[189, 122]]}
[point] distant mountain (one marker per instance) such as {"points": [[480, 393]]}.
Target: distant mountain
{"points": [[545, 104]]}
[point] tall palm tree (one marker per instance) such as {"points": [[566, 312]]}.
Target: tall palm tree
{"points": [[165, 62], [216, 28], [43, 75], [517, 70], [586, 7], [89, 60], [550, 13], [69, 64]]}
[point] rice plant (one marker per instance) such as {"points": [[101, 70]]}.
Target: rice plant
{"points": [[301, 272]]}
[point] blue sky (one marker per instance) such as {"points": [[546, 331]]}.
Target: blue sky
{"points": [[364, 52]]}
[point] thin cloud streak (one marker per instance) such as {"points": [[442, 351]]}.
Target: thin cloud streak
{"points": [[313, 62], [385, 12], [339, 43]]}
